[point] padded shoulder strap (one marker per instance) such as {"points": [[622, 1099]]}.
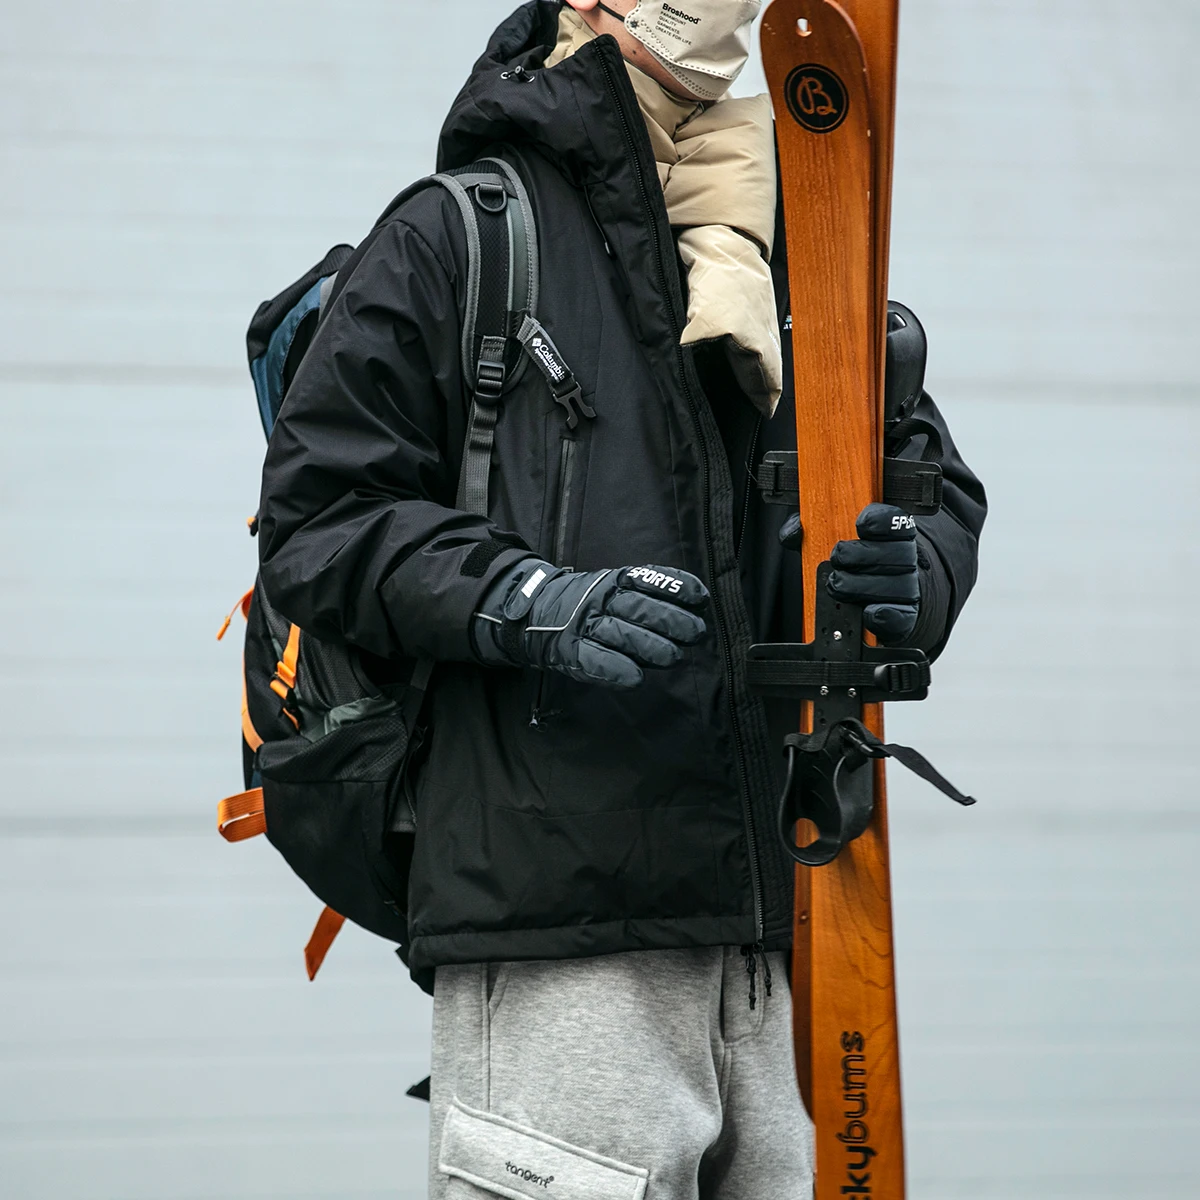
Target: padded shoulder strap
{"points": [[502, 259], [523, 259], [502, 291]]}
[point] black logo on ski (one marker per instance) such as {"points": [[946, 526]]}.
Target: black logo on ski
{"points": [[857, 1133], [816, 98]]}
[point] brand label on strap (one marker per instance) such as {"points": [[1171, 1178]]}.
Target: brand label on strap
{"points": [[548, 360], [544, 352], [537, 344]]}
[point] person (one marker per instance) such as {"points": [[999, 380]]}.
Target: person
{"points": [[594, 883]]}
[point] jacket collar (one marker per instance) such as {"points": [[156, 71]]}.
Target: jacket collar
{"points": [[584, 117], [567, 111]]}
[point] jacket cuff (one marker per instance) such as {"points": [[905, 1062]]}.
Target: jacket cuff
{"points": [[936, 596], [488, 621], [433, 614]]}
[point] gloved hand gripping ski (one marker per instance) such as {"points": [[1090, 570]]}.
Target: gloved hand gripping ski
{"points": [[877, 572], [599, 627]]}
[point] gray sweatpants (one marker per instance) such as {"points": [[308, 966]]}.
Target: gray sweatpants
{"points": [[642, 1076]]}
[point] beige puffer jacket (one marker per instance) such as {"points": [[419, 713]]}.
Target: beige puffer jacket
{"points": [[716, 164]]}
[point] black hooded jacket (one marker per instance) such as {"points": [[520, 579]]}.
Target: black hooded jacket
{"points": [[556, 819]]}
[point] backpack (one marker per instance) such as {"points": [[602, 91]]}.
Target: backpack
{"points": [[329, 732]]}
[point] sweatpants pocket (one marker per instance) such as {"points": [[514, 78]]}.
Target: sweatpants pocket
{"points": [[507, 1159]]}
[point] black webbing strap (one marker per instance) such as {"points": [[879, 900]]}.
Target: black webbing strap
{"points": [[778, 477], [911, 484], [474, 477], [914, 486], [894, 678], [861, 740], [919, 765], [907, 428]]}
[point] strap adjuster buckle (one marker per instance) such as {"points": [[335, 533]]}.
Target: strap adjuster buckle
{"points": [[778, 478], [489, 382], [897, 678]]}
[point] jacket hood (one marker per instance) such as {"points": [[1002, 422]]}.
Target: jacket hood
{"points": [[567, 111]]}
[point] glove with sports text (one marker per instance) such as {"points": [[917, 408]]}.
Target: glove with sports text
{"points": [[879, 571], [594, 626]]}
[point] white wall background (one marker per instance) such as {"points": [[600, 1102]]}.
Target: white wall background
{"points": [[165, 166]]}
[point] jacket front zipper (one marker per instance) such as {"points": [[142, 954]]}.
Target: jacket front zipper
{"points": [[722, 627], [751, 478]]}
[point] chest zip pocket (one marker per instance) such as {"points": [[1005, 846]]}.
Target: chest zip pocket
{"points": [[564, 387]]}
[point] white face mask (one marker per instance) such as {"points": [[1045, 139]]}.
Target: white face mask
{"points": [[703, 43]]}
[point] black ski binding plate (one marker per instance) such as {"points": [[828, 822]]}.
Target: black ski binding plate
{"points": [[830, 780], [837, 671]]}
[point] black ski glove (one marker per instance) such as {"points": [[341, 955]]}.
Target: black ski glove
{"points": [[879, 571], [594, 626]]}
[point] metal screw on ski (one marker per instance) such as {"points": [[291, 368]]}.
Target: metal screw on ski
{"points": [[832, 85]]}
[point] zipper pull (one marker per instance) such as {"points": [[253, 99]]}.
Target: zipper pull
{"points": [[519, 74], [244, 605], [766, 968], [564, 387], [750, 954], [596, 220]]}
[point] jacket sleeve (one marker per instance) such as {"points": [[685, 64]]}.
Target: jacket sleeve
{"points": [[359, 540], [948, 542]]}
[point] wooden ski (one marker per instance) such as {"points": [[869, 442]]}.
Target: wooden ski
{"points": [[832, 79], [878, 26]]}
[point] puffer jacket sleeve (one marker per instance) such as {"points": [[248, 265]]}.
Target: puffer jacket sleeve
{"points": [[948, 542], [359, 537]]}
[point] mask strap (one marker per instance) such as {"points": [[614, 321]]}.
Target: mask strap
{"points": [[604, 8]]}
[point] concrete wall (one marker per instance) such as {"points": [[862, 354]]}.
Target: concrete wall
{"points": [[165, 166]]}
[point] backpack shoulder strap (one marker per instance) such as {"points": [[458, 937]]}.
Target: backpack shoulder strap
{"points": [[502, 296], [502, 291], [502, 253]]}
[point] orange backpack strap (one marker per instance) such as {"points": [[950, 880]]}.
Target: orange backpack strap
{"points": [[244, 605], [285, 671], [285, 674], [329, 925], [242, 817]]}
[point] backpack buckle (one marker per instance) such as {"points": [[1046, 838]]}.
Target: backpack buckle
{"points": [[489, 383], [490, 372], [574, 404], [899, 679]]}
